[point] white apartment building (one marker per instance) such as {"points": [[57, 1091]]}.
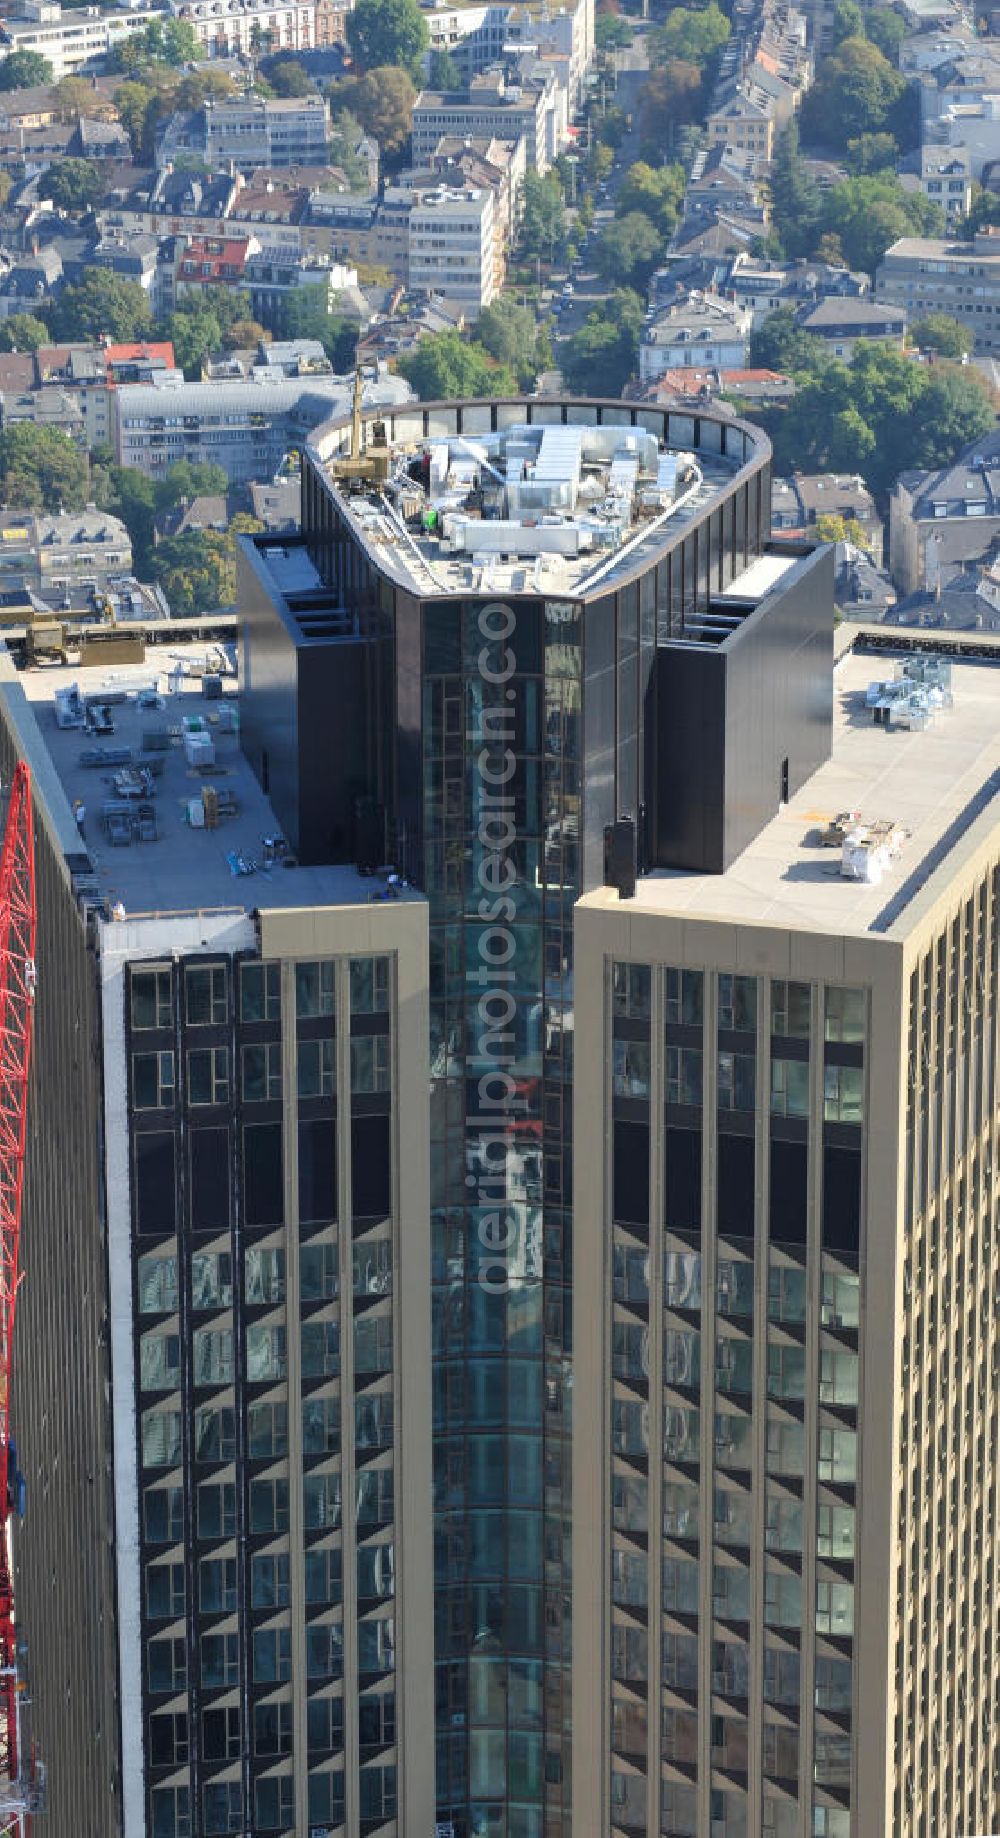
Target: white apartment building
{"points": [[456, 248], [229, 28], [254, 131], [493, 107], [72, 41], [702, 332], [931, 274]]}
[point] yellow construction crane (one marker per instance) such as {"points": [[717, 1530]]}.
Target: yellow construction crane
{"points": [[364, 465]]}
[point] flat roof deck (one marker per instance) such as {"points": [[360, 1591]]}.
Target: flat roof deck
{"points": [[935, 783], [184, 869]]}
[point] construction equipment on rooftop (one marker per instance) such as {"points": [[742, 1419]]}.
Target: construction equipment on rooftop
{"points": [[364, 465], [22, 1779]]}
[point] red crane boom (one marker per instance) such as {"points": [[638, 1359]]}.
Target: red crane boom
{"points": [[17, 992]]}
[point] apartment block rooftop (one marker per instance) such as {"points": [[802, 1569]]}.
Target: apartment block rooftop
{"points": [[175, 820], [914, 780]]}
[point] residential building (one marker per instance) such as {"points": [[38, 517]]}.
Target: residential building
{"points": [[49, 408], [252, 131], [456, 247], [928, 274], [567, 33], [766, 286], [797, 502], [211, 261], [704, 331], [75, 40], [593, 512], [331, 22], [235, 28], [500, 164], [750, 389], [492, 108], [51, 554], [844, 323], [784, 1396], [224, 1363], [274, 279], [944, 518], [746, 125], [945, 178], [246, 426], [89, 376], [863, 590]]}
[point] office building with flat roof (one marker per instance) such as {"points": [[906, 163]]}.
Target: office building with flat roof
{"points": [[785, 1376], [552, 616], [223, 1388]]}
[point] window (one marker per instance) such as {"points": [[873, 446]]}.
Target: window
{"points": [[786, 1372], [208, 1076], [684, 998], [372, 1344], [164, 1591], [683, 1075], [269, 1506], [737, 1081], [217, 1585], [272, 1729], [215, 1433], [321, 1502], [168, 1739], [264, 1275], [325, 1722], [205, 994], [326, 1797], [220, 1734], [789, 1088], [378, 1792], [161, 1438], [373, 1421], [316, 1068], [216, 1509], [269, 1580], [170, 1812], [260, 992], [834, 1608], [267, 1431], [371, 1267], [845, 1014], [262, 1072], [324, 1578], [838, 1377], [319, 1277], [272, 1655], [274, 1801], [835, 1532], [325, 1649], [843, 1094], [220, 1659], [369, 985], [150, 999], [321, 1426], [163, 1514], [152, 1081], [266, 1353], [631, 1068], [314, 990], [159, 1362], [370, 1063], [738, 1003], [157, 1285], [631, 991], [166, 1662], [211, 1280], [838, 1455], [213, 1356]]}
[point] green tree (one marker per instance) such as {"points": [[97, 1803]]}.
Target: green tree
{"points": [[73, 185], [541, 224], [955, 410], [143, 104], [796, 204], [246, 524], [886, 29], [509, 333], [345, 135], [601, 356], [133, 499], [197, 87], [443, 72], [382, 101], [612, 32], [188, 479], [244, 334], [102, 304], [629, 249], [288, 77], [871, 153], [23, 70], [197, 571], [832, 528], [780, 344], [600, 163], [308, 315], [195, 332], [173, 42], [23, 332], [848, 21], [382, 32], [656, 191], [857, 92], [445, 365], [73, 97], [871, 212], [694, 36], [669, 101], [939, 332], [42, 469]]}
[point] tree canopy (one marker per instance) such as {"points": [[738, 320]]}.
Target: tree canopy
{"points": [[72, 184], [939, 332], [443, 72], [23, 70], [308, 315], [510, 334], [857, 92], [382, 101], [692, 34], [446, 365], [23, 332], [197, 571], [541, 216], [612, 32], [42, 469], [102, 303], [864, 213], [381, 32], [629, 249], [171, 41], [288, 77], [601, 356], [669, 101], [655, 191]]}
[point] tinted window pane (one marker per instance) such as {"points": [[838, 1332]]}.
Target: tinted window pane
{"points": [[788, 1192], [371, 1184], [262, 1174], [154, 1182], [631, 1172], [318, 1171], [210, 1184]]}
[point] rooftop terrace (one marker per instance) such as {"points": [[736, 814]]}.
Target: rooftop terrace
{"points": [[936, 783], [156, 842]]}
